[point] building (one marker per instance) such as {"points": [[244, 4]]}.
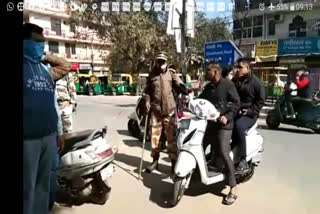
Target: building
{"points": [[78, 45], [299, 21]]}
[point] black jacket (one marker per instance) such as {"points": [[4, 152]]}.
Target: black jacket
{"points": [[252, 95], [225, 98]]}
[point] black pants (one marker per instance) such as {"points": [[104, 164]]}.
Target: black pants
{"points": [[242, 124], [220, 143]]}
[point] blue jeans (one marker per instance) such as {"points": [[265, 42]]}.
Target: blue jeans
{"points": [[37, 162], [53, 177]]}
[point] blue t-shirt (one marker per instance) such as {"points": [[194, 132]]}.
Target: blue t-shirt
{"points": [[39, 113]]}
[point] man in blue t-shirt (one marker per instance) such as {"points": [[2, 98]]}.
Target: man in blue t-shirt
{"points": [[40, 119]]}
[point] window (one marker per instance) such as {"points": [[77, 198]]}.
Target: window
{"points": [[298, 26], [257, 31], [56, 26], [73, 49], [70, 49], [257, 20], [247, 22], [73, 28], [54, 47], [272, 28]]}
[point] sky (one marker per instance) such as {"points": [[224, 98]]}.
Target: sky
{"points": [[215, 13]]}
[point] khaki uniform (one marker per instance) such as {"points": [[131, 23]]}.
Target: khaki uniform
{"points": [[66, 96], [159, 90]]}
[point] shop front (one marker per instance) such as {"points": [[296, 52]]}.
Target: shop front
{"points": [[301, 52]]}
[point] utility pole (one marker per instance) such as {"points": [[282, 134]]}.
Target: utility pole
{"points": [[183, 40]]}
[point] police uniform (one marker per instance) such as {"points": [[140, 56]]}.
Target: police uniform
{"points": [[67, 95]]}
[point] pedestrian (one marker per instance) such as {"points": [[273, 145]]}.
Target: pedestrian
{"points": [[40, 118], [65, 105], [303, 82], [252, 97], [160, 101], [223, 94], [66, 97]]}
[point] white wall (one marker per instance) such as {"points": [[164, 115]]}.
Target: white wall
{"points": [[282, 29]]}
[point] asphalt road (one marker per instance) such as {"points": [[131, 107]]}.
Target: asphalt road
{"points": [[287, 181]]}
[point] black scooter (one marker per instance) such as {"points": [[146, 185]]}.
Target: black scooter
{"points": [[307, 113]]}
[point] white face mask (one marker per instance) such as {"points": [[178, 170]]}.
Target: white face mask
{"points": [[163, 67]]}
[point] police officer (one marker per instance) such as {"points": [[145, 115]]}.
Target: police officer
{"points": [[66, 97], [160, 101]]}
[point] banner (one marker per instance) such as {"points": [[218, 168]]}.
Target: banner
{"points": [[266, 51], [301, 46]]}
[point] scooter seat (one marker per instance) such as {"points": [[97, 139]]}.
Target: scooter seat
{"points": [[248, 132], [71, 139]]}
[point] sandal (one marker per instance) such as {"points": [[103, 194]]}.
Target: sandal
{"points": [[229, 199]]}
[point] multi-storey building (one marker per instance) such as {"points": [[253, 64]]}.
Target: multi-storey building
{"points": [[295, 22], [78, 45]]}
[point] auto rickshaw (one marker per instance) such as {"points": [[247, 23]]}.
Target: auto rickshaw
{"points": [[122, 84], [95, 85], [105, 84], [82, 83]]}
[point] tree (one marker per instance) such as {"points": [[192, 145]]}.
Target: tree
{"points": [[137, 36]]}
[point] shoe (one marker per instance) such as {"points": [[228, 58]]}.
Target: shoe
{"points": [[152, 166], [242, 166]]}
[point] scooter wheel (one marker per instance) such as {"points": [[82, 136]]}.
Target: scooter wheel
{"points": [[246, 177], [179, 187], [273, 122], [133, 128]]}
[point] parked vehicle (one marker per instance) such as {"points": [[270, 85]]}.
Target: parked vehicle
{"points": [[85, 168], [122, 83], [82, 82]]}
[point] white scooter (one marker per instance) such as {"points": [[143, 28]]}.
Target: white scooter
{"points": [[85, 168], [191, 154]]}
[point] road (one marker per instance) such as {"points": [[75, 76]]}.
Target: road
{"points": [[287, 181]]}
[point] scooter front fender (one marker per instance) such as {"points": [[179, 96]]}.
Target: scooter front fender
{"points": [[185, 164]]}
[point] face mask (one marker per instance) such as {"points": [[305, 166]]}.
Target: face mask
{"points": [[163, 67], [33, 49]]}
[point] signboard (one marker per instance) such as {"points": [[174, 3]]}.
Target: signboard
{"points": [[75, 66], [301, 46], [223, 52], [84, 67], [266, 51], [291, 60]]}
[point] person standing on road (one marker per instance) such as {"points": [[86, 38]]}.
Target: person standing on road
{"points": [[252, 97], [40, 118], [66, 97], [303, 82], [159, 99], [223, 94]]}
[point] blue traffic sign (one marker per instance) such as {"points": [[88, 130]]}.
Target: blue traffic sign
{"points": [[223, 52]]}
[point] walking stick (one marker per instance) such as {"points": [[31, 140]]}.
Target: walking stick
{"points": [[143, 144]]}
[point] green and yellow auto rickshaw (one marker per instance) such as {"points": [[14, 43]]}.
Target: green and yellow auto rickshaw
{"points": [[122, 84], [105, 84], [82, 83], [95, 85]]}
